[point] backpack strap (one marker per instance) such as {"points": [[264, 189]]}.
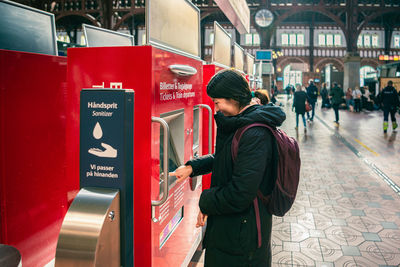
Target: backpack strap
{"points": [[238, 136], [234, 151]]}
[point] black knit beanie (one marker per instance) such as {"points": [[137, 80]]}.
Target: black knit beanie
{"points": [[230, 84]]}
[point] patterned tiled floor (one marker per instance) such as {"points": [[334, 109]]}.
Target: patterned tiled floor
{"points": [[345, 214]]}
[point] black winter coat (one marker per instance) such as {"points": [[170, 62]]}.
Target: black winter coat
{"points": [[299, 101], [389, 97], [231, 233], [312, 92]]}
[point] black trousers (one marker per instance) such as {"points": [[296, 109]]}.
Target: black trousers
{"points": [[357, 105], [387, 111], [336, 109]]}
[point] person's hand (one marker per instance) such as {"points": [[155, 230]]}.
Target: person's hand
{"points": [[201, 219], [182, 172]]}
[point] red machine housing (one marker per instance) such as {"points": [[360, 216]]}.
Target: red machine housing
{"points": [[145, 69], [209, 71], [36, 188]]}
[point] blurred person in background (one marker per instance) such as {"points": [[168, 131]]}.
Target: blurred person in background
{"points": [[336, 95], [312, 93], [390, 101], [325, 97], [349, 99], [299, 105], [260, 97], [357, 99]]}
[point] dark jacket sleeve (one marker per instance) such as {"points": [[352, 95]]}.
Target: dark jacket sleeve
{"points": [[201, 165], [308, 98], [254, 153], [294, 99]]}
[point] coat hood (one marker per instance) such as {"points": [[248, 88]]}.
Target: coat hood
{"points": [[268, 114]]}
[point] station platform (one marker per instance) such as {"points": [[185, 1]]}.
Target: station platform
{"points": [[347, 210]]}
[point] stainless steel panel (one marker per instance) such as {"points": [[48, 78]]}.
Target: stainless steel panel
{"points": [[90, 233]]}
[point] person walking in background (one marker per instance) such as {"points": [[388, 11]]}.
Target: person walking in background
{"points": [[357, 99], [390, 101], [261, 96], [312, 93], [367, 102], [299, 105], [325, 97], [336, 95], [228, 203], [349, 99]]}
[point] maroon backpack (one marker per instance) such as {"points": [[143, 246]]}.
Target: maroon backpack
{"points": [[288, 172]]}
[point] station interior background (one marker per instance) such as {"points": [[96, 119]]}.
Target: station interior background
{"points": [[350, 42], [310, 39]]}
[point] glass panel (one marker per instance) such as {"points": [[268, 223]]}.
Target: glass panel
{"points": [[360, 40], [248, 39], [375, 40], [211, 39], [321, 39], [144, 38], [256, 39], [83, 42], [286, 76], [300, 39], [285, 39], [397, 41], [329, 40], [299, 79], [367, 40], [338, 40], [328, 76], [292, 39]]}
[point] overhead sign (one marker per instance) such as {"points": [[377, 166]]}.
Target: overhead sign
{"points": [[264, 55], [387, 57], [237, 12]]}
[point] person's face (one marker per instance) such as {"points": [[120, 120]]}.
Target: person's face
{"points": [[228, 107]]}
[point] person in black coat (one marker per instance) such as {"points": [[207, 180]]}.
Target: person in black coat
{"points": [[299, 105], [390, 101], [325, 97], [312, 93], [231, 237]]}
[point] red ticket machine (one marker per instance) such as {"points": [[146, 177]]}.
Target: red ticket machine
{"points": [[168, 91], [35, 186], [209, 70], [221, 53]]}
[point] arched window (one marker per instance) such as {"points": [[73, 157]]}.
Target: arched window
{"points": [[291, 77], [366, 72]]}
